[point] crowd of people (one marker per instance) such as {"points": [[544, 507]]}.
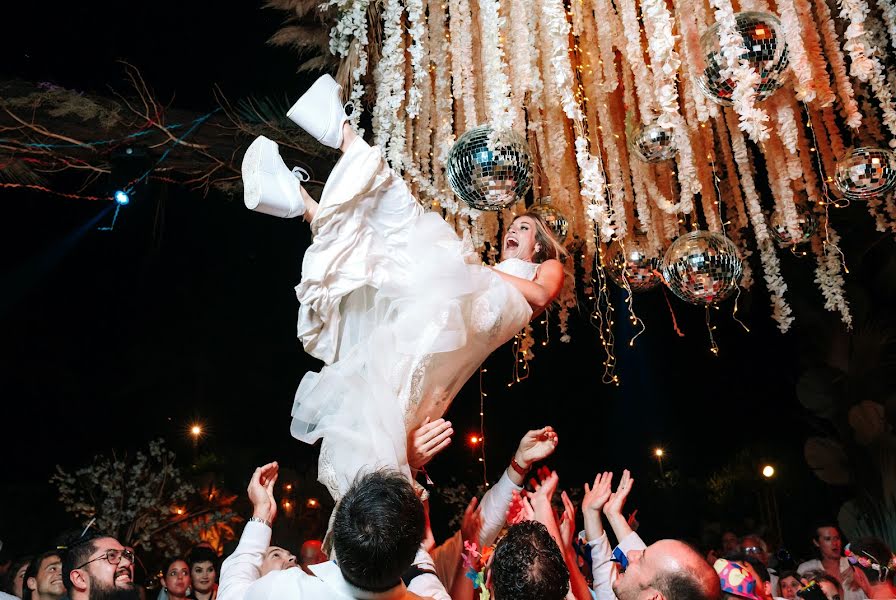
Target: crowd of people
{"points": [[521, 540]]}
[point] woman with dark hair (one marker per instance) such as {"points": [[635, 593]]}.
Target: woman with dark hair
{"points": [[15, 580], [874, 567], [204, 572], [401, 310], [176, 580]]}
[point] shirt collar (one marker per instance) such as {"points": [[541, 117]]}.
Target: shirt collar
{"points": [[330, 574]]}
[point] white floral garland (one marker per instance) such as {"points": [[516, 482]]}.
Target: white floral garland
{"points": [[752, 118], [519, 55], [771, 267], [494, 72], [351, 28], [608, 28], [828, 273], [664, 61], [444, 103], [812, 43], [389, 131], [888, 12], [634, 53], [799, 60], [464, 82], [855, 12], [419, 64], [848, 106], [590, 166]]}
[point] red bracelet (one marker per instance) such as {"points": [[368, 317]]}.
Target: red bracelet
{"points": [[516, 467]]}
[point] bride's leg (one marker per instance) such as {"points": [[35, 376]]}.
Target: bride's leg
{"points": [[348, 136]]}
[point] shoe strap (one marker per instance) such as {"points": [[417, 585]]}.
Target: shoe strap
{"points": [[301, 174]]}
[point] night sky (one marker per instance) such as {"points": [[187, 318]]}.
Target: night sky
{"points": [[186, 311]]}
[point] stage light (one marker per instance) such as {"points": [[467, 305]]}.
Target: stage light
{"points": [[312, 503], [768, 471], [195, 431], [658, 453], [122, 197], [288, 487], [474, 440]]}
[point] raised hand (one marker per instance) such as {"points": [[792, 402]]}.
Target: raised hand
{"points": [[615, 504], [261, 491], [596, 497], [544, 491], [567, 522], [536, 445], [471, 524], [428, 440], [520, 509]]}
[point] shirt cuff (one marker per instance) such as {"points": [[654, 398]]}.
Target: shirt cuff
{"points": [[256, 537], [631, 542]]}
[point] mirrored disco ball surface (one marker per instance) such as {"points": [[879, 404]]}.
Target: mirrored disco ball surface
{"points": [[808, 225], [652, 143], [552, 217], [702, 267], [865, 172], [630, 261], [766, 52], [490, 179]]}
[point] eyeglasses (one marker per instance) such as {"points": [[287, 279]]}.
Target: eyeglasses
{"points": [[114, 557]]}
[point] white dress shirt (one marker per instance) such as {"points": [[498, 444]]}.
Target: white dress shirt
{"points": [[602, 569], [493, 510], [241, 576], [850, 590]]}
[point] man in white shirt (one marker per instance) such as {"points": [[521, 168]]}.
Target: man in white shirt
{"points": [[43, 578], [830, 547], [665, 570], [377, 530]]}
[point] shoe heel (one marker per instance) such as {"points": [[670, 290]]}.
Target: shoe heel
{"points": [[320, 113], [262, 190]]}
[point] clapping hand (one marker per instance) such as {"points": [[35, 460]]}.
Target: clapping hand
{"points": [[471, 524], [520, 509], [261, 491], [428, 440], [596, 497], [616, 502], [567, 522]]}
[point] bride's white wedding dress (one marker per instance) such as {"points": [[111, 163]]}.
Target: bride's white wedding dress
{"points": [[401, 319]]}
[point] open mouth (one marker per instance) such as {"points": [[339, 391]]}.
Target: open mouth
{"points": [[511, 244], [123, 576]]}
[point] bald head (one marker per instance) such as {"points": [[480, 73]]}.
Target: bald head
{"points": [[669, 568]]}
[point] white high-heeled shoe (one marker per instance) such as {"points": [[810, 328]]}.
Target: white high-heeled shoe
{"points": [[320, 112], [269, 186]]}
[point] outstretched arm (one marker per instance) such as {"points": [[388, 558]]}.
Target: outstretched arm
{"points": [[243, 567], [541, 291]]}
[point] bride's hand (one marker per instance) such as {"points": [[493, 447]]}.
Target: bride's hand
{"points": [[428, 440]]}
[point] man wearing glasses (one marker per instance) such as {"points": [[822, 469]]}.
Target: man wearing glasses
{"points": [[99, 568]]}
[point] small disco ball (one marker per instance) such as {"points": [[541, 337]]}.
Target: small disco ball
{"points": [[552, 217], [808, 225], [630, 261], [702, 267], [652, 143], [865, 172], [490, 178], [766, 53]]}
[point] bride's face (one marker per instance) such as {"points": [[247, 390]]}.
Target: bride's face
{"points": [[519, 241]]}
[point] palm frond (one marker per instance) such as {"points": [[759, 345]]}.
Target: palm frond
{"points": [[302, 37], [299, 8], [16, 171], [264, 110], [318, 63]]}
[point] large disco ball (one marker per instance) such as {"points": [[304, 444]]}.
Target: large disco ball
{"points": [[631, 261], [552, 217], [865, 172], [766, 52], [807, 222], [702, 267], [490, 178], [652, 143]]}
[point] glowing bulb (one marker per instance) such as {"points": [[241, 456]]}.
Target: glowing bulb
{"points": [[196, 430], [122, 197], [768, 471], [659, 452]]}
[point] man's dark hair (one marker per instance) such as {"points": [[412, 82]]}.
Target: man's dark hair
{"points": [[202, 554], [682, 585], [377, 529], [877, 551], [756, 564], [34, 567], [76, 553], [527, 565]]}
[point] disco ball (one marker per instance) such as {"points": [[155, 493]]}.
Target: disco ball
{"points": [[702, 267], [490, 178], [766, 53], [634, 265], [865, 172], [552, 217], [652, 143], [808, 225]]}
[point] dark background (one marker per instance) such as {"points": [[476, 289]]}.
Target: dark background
{"points": [[186, 312]]}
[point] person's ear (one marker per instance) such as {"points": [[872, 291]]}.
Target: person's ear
{"points": [[538, 247], [78, 579], [31, 584]]}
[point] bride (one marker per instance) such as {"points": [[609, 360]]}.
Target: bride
{"points": [[400, 310]]}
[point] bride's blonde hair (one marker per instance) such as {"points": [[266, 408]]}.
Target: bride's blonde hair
{"points": [[544, 237]]}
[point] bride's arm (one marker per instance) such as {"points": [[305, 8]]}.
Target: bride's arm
{"points": [[544, 289]]}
